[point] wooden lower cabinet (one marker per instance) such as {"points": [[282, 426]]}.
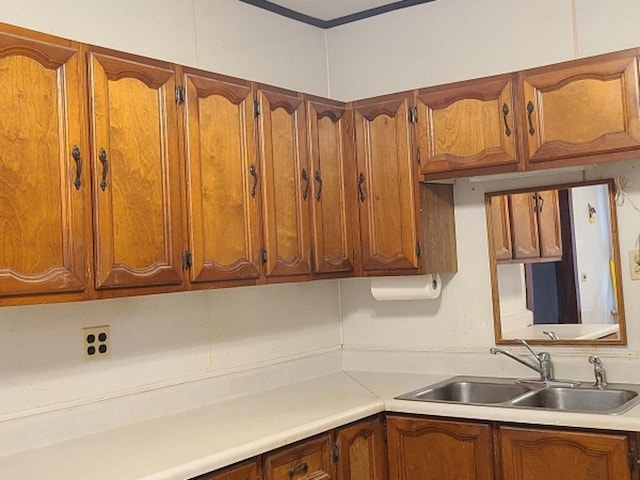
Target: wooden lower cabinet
{"points": [[532, 454], [361, 451], [242, 471], [429, 449], [310, 459]]}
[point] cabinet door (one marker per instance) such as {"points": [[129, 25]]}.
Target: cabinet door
{"points": [[222, 179], [331, 159], [242, 471], [529, 454], [524, 225], [307, 460], [439, 450], [44, 189], [386, 186], [136, 172], [467, 125], [549, 224], [362, 451], [588, 108], [500, 227], [286, 185]]}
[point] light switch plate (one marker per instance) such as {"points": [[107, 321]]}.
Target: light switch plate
{"points": [[634, 264]]}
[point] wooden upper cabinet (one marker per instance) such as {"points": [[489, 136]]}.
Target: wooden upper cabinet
{"points": [[286, 183], [500, 227], [222, 178], [535, 225], [467, 125], [44, 184], [584, 108], [308, 460], [426, 449], [387, 185], [560, 455], [362, 451], [331, 196], [136, 171]]}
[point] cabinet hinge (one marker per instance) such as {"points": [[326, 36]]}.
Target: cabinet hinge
{"points": [[336, 452], [180, 95], [384, 432], [263, 256], [413, 115], [256, 108], [419, 249], [187, 260], [419, 157], [633, 459]]}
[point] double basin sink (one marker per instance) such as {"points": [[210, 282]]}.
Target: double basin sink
{"points": [[506, 392]]}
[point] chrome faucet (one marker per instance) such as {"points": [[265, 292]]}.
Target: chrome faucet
{"points": [[598, 371], [544, 366]]}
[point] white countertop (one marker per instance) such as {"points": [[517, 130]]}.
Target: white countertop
{"points": [[184, 445], [573, 331]]}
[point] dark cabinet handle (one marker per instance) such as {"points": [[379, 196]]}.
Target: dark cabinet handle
{"points": [[102, 155], [75, 153], [540, 203], [305, 177], [318, 178], [505, 112], [360, 191], [254, 173], [529, 112], [302, 466]]}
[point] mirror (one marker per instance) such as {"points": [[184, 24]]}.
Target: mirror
{"points": [[555, 265]]}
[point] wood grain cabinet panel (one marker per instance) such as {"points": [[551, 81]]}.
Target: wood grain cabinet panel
{"points": [[307, 460], [387, 185], [332, 193], [584, 108], [535, 225], [362, 451], [222, 179], [427, 449], [286, 185], [243, 471], [500, 226], [136, 167], [467, 125], [44, 184], [532, 454]]}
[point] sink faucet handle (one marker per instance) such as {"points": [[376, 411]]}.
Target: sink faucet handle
{"points": [[598, 371], [533, 352]]}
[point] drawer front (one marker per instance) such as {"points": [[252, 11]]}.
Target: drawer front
{"points": [[307, 460]]}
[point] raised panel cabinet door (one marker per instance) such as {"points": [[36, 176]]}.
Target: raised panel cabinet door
{"points": [[222, 179], [549, 224], [44, 187], [243, 471], [524, 225], [362, 451], [590, 107], [500, 227], [136, 170], [387, 186], [428, 449], [286, 185], [467, 125], [332, 218], [308, 460], [530, 454]]}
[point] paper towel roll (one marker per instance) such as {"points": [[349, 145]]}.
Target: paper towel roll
{"points": [[406, 288]]}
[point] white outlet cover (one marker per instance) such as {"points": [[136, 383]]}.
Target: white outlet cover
{"points": [[634, 264], [96, 342]]}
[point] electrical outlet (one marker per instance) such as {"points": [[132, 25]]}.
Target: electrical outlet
{"points": [[96, 342], [634, 264]]}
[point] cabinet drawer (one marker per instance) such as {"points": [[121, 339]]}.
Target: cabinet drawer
{"points": [[307, 460], [242, 471]]}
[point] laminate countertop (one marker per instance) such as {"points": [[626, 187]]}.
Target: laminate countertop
{"points": [[184, 445]]}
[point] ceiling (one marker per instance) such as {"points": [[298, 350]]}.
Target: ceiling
{"points": [[331, 13]]}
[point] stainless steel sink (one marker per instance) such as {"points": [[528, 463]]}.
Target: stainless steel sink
{"points": [[608, 400], [509, 392], [473, 390]]}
